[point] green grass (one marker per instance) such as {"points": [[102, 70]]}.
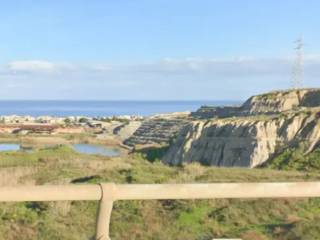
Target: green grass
{"points": [[157, 220], [22, 158], [296, 159]]}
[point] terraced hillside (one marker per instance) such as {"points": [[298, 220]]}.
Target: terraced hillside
{"points": [[157, 130]]}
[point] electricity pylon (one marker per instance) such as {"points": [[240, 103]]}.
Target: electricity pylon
{"points": [[297, 74]]}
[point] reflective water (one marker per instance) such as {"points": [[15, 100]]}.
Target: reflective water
{"points": [[9, 147], [96, 149]]}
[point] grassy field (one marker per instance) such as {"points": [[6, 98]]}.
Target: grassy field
{"points": [[156, 220]]}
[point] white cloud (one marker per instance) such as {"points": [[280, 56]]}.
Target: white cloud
{"points": [[240, 66], [219, 66], [31, 66], [40, 67], [102, 67], [193, 78]]}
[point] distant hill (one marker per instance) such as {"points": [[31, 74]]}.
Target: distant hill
{"points": [[269, 103]]}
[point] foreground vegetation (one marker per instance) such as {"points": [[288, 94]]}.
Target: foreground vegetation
{"points": [[297, 159], [157, 220]]}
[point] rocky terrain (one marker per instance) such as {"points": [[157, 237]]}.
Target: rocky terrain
{"points": [[160, 129], [262, 128]]}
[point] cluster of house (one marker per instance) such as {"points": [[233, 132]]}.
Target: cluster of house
{"points": [[47, 124], [14, 119]]}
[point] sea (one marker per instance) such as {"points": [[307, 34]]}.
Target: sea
{"points": [[62, 108]]}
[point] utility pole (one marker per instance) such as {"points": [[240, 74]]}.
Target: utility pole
{"points": [[297, 74]]}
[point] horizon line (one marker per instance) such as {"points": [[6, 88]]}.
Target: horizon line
{"points": [[125, 100]]}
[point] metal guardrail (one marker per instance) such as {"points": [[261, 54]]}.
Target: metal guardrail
{"points": [[108, 193]]}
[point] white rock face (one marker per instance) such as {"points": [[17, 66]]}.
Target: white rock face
{"points": [[249, 135], [243, 141]]}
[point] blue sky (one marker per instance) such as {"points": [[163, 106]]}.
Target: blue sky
{"points": [[160, 49]]}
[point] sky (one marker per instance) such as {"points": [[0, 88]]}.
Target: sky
{"points": [[154, 50]]}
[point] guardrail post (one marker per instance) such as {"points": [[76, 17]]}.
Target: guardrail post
{"points": [[105, 209]]}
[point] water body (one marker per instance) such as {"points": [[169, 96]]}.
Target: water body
{"points": [[101, 108], [96, 149], [4, 147]]}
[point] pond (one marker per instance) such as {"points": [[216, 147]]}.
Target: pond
{"points": [[4, 147], [96, 149]]}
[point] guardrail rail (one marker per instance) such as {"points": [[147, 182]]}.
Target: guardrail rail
{"points": [[107, 193]]}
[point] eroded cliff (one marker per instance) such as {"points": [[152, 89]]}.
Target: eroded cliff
{"points": [[245, 142], [277, 121]]}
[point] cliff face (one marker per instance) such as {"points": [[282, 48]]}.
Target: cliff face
{"points": [[264, 126], [243, 142]]}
